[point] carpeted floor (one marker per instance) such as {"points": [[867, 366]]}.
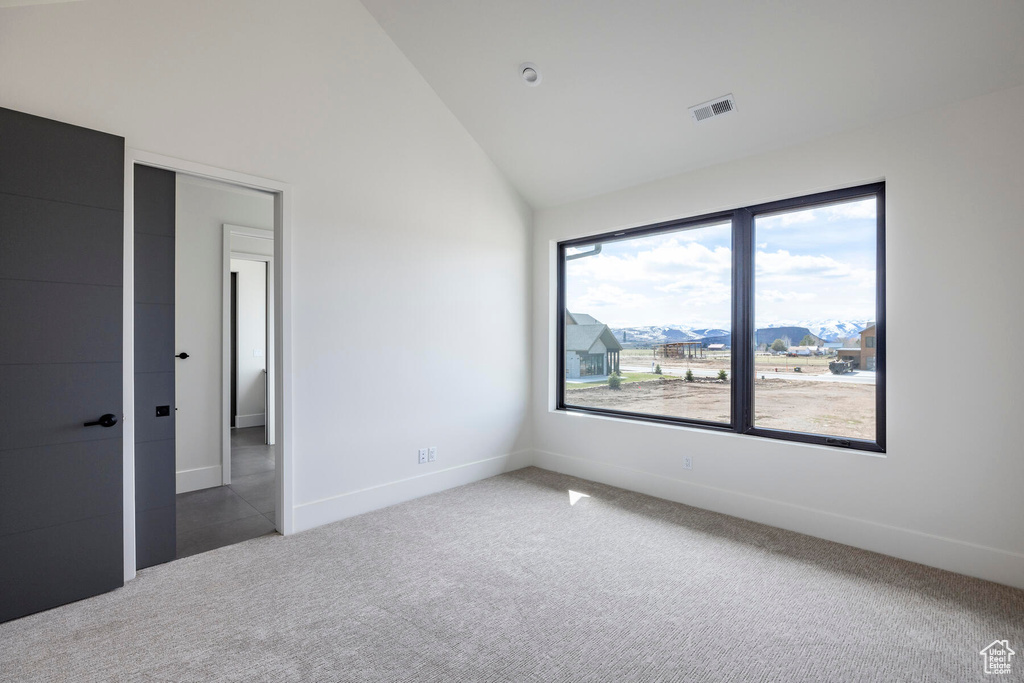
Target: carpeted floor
{"points": [[504, 580]]}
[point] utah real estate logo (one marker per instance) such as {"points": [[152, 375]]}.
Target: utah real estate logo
{"points": [[997, 657]]}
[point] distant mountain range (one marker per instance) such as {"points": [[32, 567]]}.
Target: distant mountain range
{"points": [[827, 330], [657, 334], [834, 330]]}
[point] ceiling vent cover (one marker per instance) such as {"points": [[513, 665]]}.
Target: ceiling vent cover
{"points": [[716, 107]]}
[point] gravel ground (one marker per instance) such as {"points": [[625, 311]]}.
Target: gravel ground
{"points": [[846, 410]]}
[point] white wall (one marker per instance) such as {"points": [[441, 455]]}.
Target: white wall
{"points": [[410, 256], [202, 207], [409, 249], [252, 341], [252, 245], [948, 492]]}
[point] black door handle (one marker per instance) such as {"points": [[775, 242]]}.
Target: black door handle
{"points": [[182, 355], [108, 420]]}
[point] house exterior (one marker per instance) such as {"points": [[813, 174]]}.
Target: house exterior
{"points": [[580, 319], [867, 348], [864, 356], [850, 354], [590, 347]]}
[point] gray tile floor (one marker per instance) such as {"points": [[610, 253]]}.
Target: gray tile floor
{"points": [[213, 518]]}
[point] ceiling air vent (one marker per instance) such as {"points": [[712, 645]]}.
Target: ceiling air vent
{"points": [[716, 107]]}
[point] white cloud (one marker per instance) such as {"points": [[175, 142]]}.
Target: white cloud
{"points": [[863, 208], [603, 296], [792, 286], [678, 280], [662, 263], [775, 295], [695, 288], [783, 266]]}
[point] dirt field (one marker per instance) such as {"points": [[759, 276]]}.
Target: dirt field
{"points": [[721, 360], [835, 409]]}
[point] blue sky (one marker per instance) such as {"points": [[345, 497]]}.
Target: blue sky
{"points": [[811, 265]]}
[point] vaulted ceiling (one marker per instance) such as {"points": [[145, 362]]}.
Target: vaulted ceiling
{"points": [[619, 75]]}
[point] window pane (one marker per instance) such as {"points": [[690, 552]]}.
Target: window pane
{"points": [[657, 309], [814, 304]]}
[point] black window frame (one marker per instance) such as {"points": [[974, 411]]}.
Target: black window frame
{"points": [[742, 371]]}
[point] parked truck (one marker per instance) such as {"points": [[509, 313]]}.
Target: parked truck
{"points": [[839, 367]]}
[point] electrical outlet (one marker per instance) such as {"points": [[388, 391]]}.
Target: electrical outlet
{"points": [[432, 454], [687, 463], [422, 455]]}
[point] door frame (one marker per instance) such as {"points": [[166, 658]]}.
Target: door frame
{"points": [[271, 286], [282, 331], [234, 346]]}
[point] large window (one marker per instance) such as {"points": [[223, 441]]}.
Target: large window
{"points": [[767, 320], [630, 298]]}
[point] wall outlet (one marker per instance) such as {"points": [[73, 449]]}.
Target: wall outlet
{"points": [[432, 454], [422, 455], [687, 463]]}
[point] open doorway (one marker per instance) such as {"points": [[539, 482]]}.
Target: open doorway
{"points": [[225, 477], [216, 499], [248, 470], [248, 288]]}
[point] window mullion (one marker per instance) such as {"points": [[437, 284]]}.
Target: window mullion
{"points": [[560, 329], [742, 323]]}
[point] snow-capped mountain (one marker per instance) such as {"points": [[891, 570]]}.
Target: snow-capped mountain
{"points": [[705, 332], [655, 334], [829, 330], [835, 330]]}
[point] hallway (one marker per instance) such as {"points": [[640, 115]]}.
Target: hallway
{"points": [[225, 515]]}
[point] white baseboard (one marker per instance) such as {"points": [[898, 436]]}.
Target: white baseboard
{"points": [[254, 420], [199, 478], [324, 511], [983, 562]]}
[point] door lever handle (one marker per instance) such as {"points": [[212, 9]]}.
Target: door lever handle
{"points": [[181, 355], [108, 420]]}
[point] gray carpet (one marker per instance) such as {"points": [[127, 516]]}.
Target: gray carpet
{"points": [[504, 580]]}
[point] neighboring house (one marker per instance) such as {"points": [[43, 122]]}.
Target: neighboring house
{"points": [[580, 319], [864, 356], [716, 347], [590, 347], [850, 354], [832, 347], [867, 347]]}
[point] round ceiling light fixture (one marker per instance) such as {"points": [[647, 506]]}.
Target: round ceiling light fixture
{"points": [[529, 73]]}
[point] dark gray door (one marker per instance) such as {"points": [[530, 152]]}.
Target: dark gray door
{"points": [[155, 540], [61, 227]]}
